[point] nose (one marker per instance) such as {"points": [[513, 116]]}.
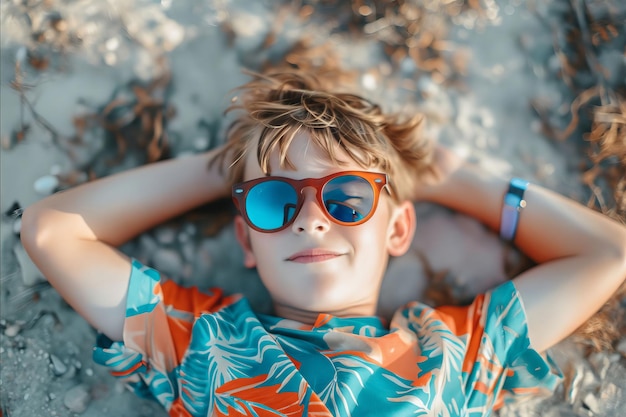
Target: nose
{"points": [[311, 218]]}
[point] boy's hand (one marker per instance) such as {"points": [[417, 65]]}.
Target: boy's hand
{"points": [[581, 254], [72, 236]]}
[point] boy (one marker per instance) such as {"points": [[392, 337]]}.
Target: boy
{"points": [[323, 183]]}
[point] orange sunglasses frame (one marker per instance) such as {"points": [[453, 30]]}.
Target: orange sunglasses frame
{"points": [[240, 192]]}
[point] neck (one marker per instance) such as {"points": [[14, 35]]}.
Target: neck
{"points": [[310, 317]]}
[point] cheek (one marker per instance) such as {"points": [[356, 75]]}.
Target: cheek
{"points": [[265, 248], [370, 243]]}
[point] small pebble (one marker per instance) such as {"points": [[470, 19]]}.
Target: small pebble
{"points": [[58, 367], [52, 396], [12, 330], [592, 403], [189, 250], [183, 237], [46, 185], [369, 82], [89, 372], [201, 143], [165, 235], [77, 399]]}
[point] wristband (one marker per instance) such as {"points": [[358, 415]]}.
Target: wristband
{"points": [[512, 205]]}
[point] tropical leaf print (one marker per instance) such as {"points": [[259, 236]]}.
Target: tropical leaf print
{"points": [[205, 354]]}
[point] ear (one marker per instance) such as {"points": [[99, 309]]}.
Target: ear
{"points": [[243, 237], [401, 228]]}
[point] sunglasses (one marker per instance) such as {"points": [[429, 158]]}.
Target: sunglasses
{"points": [[271, 204]]}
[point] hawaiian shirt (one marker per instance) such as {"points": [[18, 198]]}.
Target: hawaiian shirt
{"points": [[202, 353]]}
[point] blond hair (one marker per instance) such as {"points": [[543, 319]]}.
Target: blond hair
{"points": [[277, 106]]}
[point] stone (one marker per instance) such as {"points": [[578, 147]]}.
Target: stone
{"points": [[77, 399], [12, 330], [188, 250], [201, 143], [46, 185], [58, 367], [592, 403], [165, 235]]}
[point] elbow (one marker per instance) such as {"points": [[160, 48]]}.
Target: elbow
{"points": [[33, 231]]}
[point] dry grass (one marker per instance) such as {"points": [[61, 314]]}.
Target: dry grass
{"points": [[597, 115]]}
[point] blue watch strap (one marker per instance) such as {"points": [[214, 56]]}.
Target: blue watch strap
{"points": [[512, 205]]}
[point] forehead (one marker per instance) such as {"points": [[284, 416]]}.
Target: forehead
{"points": [[308, 158]]}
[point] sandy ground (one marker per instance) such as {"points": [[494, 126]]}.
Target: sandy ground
{"points": [[45, 347]]}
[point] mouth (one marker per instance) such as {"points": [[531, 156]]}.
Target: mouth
{"points": [[313, 255]]}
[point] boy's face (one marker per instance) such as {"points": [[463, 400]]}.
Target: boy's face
{"points": [[315, 265]]}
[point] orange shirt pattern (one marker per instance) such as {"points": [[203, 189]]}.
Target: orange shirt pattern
{"points": [[205, 354]]}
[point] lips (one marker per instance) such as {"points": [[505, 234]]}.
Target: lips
{"points": [[313, 255]]}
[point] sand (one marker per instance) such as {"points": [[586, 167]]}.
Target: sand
{"points": [[46, 347]]}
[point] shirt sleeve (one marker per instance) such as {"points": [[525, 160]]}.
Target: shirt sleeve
{"points": [[499, 365], [159, 317]]}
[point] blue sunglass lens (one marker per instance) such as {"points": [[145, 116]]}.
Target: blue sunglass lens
{"points": [[271, 204], [348, 198]]}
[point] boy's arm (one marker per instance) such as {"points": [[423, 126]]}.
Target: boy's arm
{"points": [[71, 236], [581, 253]]}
